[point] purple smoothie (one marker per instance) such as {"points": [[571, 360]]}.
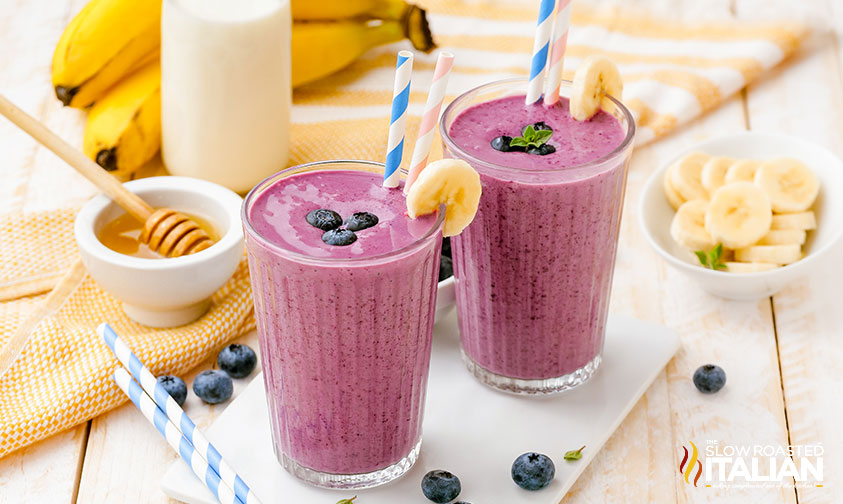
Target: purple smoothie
{"points": [[533, 271], [345, 330]]}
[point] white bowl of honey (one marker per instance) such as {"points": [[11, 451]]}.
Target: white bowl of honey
{"points": [[159, 291]]}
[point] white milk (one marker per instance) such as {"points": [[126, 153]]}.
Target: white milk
{"points": [[225, 89]]}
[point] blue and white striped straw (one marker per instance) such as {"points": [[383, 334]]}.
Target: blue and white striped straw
{"points": [[541, 44], [176, 415], [400, 99], [174, 438]]}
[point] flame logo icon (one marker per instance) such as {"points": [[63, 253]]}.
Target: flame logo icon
{"points": [[686, 467]]}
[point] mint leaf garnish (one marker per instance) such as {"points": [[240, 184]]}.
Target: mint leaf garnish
{"points": [[712, 259], [346, 501], [531, 138], [574, 454]]}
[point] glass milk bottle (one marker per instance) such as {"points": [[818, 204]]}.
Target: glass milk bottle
{"points": [[225, 89]]}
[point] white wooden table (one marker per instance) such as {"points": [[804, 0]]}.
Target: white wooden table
{"points": [[783, 356]]}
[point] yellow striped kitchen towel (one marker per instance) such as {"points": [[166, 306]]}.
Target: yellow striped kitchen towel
{"points": [[673, 70], [58, 371]]}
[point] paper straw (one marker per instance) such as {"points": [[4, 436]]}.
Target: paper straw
{"points": [[430, 117], [557, 52], [176, 415], [400, 98], [540, 47], [174, 438]]}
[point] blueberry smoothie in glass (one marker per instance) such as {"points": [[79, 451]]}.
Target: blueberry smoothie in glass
{"points": [[344, 285], [534, 269]]}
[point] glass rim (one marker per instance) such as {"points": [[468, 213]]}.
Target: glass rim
{"points": [[450, 144], [251, 231]]}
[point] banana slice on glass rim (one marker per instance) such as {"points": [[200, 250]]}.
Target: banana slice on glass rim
{"points": [[595, 78], [451, 182]]}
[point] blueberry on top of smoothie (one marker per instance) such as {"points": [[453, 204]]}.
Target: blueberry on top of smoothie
{"points": [[339, 237], [542, 150], [538, 126], [324, 219], [502, 143], [361, 220]]}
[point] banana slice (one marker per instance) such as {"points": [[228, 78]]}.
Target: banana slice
{"points": [[775, 254], [713, 174], [688, 226], [738, 215], [451, 182], [790, 184], [784, 237], [673, 197], [685, 176], [742, 171], [595, 78], [802, 220], [753, 267]]}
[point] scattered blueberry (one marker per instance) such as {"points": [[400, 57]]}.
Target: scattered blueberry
{"points": [[446, 268], [324, 219], [539, 126], [361, 220], [501, 143], [237, 360], [542, 150], [175, 387], [709, 378], [340, 237], [533, 471], [213, 386], [446, 246], [440, 486]]}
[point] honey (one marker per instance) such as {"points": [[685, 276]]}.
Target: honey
{"points": [[121, 235]]}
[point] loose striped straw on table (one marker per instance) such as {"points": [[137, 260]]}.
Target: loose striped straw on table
{"points": [[175, 438], [556, 64], [540, 48], [435, 97], [176, 415], [400, 99]]}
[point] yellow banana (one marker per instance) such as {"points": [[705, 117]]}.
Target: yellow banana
{"points": [[106, 41], [308, 10], [124, 126], [320, 48]]}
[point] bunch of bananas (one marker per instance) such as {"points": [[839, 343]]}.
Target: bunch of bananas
{"points": [[108, 59]]}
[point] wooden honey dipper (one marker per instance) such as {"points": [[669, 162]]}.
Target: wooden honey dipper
{"points": [[165, 231]]}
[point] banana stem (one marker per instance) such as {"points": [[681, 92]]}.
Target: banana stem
{"points": [[135, 206]]}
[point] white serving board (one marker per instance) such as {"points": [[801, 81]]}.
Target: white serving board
{"points": [[469, 429]]}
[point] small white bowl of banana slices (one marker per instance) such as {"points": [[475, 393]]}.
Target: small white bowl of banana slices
{"points": [[745, 215]]}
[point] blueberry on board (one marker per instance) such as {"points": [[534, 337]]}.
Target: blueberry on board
{"points": [[501, 143], [533, 471], [361, 220], [539, 126], [440, 486], [237, 360], [324, 219], [446, 246], [213, 386], [446, 268], [175, 387], [709, 378], [339, 237], [542, 150]]}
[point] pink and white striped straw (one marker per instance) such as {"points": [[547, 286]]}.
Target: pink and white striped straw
{"points": [[435, 97], [540, 49], [557, 52]]}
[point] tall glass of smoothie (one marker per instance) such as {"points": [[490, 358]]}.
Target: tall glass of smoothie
{"points": [[534, 269], [344, 285]]}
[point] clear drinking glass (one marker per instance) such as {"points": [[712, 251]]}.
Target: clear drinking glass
{"points": [[534, 270], [346, 349]]}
